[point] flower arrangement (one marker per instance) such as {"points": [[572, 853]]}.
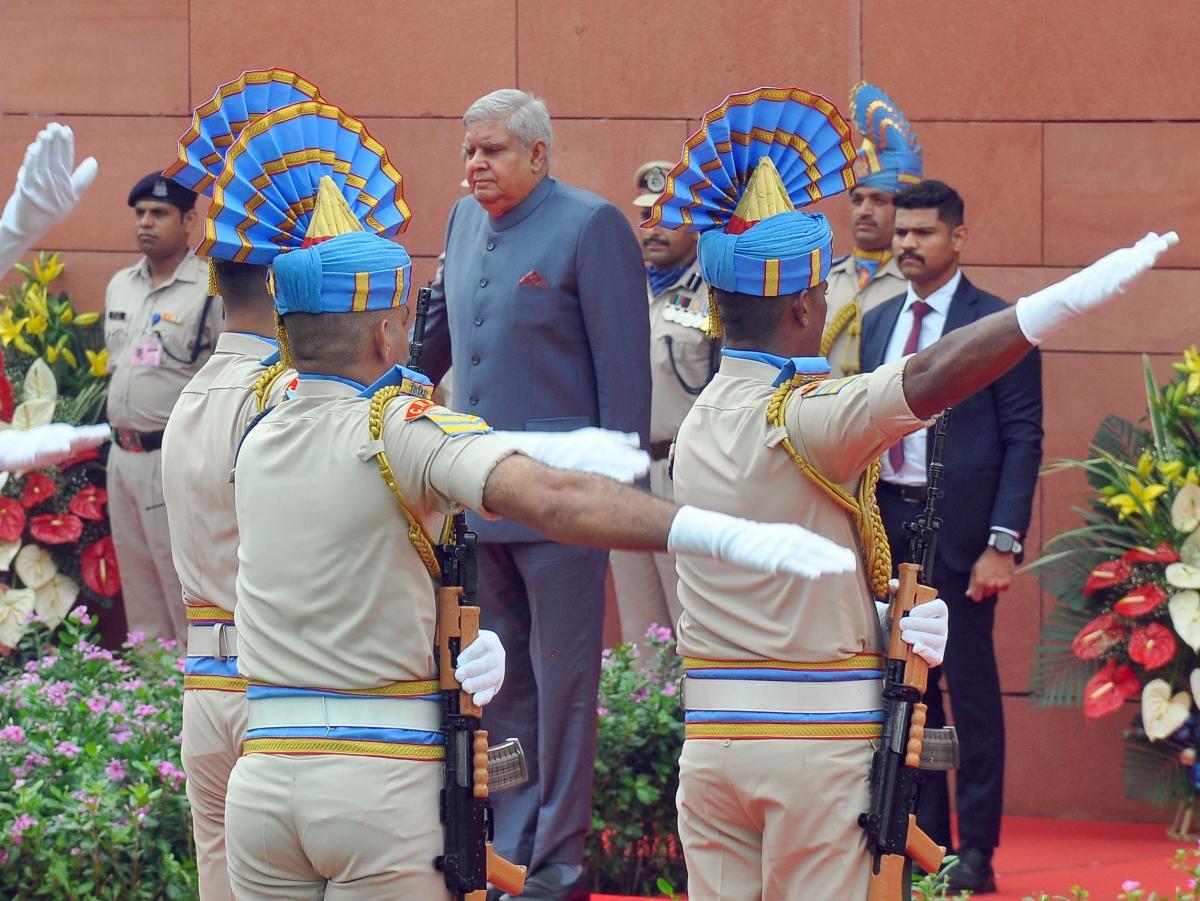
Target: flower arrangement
{"points": [[633, 847], [1127, 622], [91, 787], [55, 540]]}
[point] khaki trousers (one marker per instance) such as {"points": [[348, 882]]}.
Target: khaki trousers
{"points": [[213, 725], [334, 827], [646, 587], [149, 586], [775, 819]]}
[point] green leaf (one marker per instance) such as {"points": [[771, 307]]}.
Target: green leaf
{"points": [[1058, 677], [1154, 405], [1153, 772]]}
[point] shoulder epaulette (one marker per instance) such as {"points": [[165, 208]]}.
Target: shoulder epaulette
{"points": [[449, 421], [826, 387]]}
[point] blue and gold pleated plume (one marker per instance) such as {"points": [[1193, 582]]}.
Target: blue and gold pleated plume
{"points": [[755, 159], [890, 156]]}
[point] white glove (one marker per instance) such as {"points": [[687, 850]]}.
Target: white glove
{"points": [[1048, 310], [602, 451], [925, 628], [45, 445], [47, 190], [770, 547], [481, 667]]}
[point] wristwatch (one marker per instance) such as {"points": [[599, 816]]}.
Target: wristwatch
{"points": [[1004, 543]]}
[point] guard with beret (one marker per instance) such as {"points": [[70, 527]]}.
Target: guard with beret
{"points": [[683, 359], [783, 690], [160, 326], [888, 159]]}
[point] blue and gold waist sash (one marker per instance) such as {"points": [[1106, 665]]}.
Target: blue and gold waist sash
{"points": [[757, 699], [207, 673]]}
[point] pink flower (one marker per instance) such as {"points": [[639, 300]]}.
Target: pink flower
{"points": [[97, 705], [49, 660], [121, 736], [659, 633], [116, 707], [601, 711], [80, 613], [130, 684], [167, 644], [1130, 885], [180, 664], [20, 826], [115, 770], [3, 858], [670, 689], [98, 654], [67, 749], [170, 774], [137, 636], [33, 758], [145, 710], [15, 734]]}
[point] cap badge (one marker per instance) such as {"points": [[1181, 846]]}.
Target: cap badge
{"points": [[656, 179], [159, 189]]}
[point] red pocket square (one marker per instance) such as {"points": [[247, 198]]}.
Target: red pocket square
{"points": [[533, 279]]}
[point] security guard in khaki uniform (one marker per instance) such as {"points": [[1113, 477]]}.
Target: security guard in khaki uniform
{"points": [[336, 493], [889, 159], [783, 688], [160, 326], [683, 359], [240, 380]]}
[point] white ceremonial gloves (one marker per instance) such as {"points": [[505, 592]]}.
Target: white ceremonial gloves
{"points": [[925, 627], [481, 667], [48, 188], [770, 547], [1046, 311], [617, 455], [45, 445]]}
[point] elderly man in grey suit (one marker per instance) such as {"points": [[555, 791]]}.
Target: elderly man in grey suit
{"points": [[541, 307]]}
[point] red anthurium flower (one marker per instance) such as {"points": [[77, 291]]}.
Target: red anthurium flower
{"points": [[1152, 646], [1098, 636], [89, 503], [83, 456], [38, 487], [56, 528], [1107, 575], [12, 519], [1164, 554], [98, 566], [1106, 691], [8, 403], [1140, 601]]}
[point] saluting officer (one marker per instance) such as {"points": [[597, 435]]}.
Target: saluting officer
{"points": [[160, 326], [683, 358]]}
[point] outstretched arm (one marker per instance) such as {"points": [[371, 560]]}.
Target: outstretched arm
{"points": [[578, 508], [967, 359]]}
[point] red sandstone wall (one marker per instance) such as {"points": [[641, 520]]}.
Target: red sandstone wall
{"points": [[1069, 127]]}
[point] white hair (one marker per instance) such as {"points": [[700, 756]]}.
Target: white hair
{"points": [[523, 114]]}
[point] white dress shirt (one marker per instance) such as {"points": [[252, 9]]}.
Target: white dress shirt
{"points": [[913, 470]]}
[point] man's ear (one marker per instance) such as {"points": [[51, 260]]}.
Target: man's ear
{"points": [[800, 305], [958, 238], [383, 340], [537, 156], [189, 219]]}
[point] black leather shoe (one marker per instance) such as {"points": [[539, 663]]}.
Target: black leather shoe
{"points": [[972, 873]]}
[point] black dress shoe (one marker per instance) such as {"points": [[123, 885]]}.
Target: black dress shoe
{"points": [[972, 873]]}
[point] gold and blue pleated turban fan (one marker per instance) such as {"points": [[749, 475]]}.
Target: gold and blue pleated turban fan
{"points": [[755, 159], [217, 123], [890, 156], [265, 199], [349, 273]]}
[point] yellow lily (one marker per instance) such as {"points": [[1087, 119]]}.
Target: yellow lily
{"points": [[1171, 470], [35, 301], [51, 354], [69, 356], [66, 316], [85, 319], [10, 328], [47, 268], [98, 362], [1137, 499], [23, 346], [1145, 464], [1191, 367], [37, 324]]}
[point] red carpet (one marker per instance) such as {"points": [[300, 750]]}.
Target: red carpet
{"points": [[1053, 855]]}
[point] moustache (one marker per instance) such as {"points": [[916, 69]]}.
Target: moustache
{"points": [[865, 220], [911, 256], [647, 242]]}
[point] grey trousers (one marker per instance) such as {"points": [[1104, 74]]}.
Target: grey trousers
{"points": [[546, 602]]}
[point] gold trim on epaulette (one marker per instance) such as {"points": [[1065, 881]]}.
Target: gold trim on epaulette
{"points": [[454, 423], [825, 387]]}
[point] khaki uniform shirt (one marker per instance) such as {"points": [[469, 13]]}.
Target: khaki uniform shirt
{"points": [[330, 592], [845, 353], [150, 334], [198, 451], [728, 458], [682, 359]]}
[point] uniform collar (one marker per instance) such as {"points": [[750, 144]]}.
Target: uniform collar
{"points": [[244, 343], [314, 384], [784, 368], [409, 381], [522, 210]]}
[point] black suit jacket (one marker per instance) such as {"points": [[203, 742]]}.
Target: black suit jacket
{"points": [[994, 444]]}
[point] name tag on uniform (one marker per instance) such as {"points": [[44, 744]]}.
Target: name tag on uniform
{"points": [[147, 353]]}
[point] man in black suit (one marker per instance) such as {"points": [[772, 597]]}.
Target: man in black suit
{"points": [[992, 455]]}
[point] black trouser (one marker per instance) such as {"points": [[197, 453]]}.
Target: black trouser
{"points": [[973, 685]]}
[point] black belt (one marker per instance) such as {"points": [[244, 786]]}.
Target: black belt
{"points": [[660, 450], [908, 494], [136, 442]]}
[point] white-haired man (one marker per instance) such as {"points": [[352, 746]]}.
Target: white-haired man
{"points": [[541, 308]]}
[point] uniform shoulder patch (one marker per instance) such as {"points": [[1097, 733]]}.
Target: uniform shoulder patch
{"points": [[825, 387], [449, 421]]}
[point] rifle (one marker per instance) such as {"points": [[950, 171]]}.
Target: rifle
{"points": [[893, 836], [467, 860]]}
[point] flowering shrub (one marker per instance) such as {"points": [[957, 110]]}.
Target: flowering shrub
{"points": [[1187, 860], [634, 839], [54, 532], [91, 787], [1127, 624]]}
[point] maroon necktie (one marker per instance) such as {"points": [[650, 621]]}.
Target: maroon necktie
{"points": [[919, 311]]}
